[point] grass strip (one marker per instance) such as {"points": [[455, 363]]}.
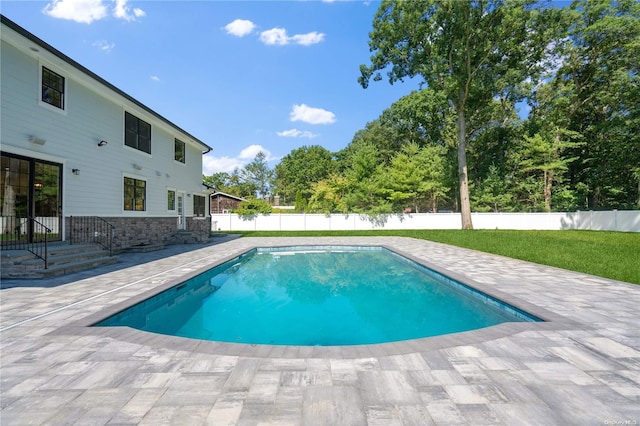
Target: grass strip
{"points": [[614, 255]]}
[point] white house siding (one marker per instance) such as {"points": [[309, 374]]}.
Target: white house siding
{"points": [[92, 113]]}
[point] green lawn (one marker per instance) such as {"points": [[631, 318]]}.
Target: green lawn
{"points": [[614, 255]]}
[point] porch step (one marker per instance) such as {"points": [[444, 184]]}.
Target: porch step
{"points": [[186, 237], [143, 248], [63, 259], [69, 267]]}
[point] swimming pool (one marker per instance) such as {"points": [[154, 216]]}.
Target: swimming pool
{"points": [[317, 296]]}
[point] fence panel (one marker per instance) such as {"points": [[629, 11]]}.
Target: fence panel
{"points": [[626, 221]]}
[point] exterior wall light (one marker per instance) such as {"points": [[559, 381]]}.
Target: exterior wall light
{"points": [[102, 143], [75, 171]]}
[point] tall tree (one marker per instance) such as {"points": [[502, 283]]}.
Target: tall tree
{"points": [[300, 169], [238, 184], [220, 181], [543, 156], [552, 147], [421, 117], [493, 192], [364, 193], [231, 183], [472, 52], [328, 195], [602, 69], [415, 178], [259, 174]]}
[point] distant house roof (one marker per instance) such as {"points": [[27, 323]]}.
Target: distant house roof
{"points": [[26, 34], [227, 195]]}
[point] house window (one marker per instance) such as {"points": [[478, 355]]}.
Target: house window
{"points": [[171, 200], [198, 206], [52, 88], [137, 133], [179, 152], [135, 194]]}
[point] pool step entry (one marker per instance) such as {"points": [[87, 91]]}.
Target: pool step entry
{"points": [[63, 259]]}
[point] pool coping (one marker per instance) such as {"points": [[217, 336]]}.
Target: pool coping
{"points": [[550, 321]]}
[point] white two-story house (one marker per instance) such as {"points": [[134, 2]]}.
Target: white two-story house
{"points": [[77, 151]]}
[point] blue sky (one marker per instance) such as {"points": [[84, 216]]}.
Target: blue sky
{"points": [[242, 76]]}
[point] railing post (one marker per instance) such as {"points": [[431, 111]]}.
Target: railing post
{"points": [[46, 251]]}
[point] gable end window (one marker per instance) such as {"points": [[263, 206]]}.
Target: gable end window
{"points": [[198, 206], [137, 133], [135, 194], [52, 88], [179, 151]]}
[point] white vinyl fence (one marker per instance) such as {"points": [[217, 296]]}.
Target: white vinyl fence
{"points": [[625, 221], [19, 225]]}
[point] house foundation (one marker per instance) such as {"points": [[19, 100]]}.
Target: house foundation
{"points": [[139, 231]]}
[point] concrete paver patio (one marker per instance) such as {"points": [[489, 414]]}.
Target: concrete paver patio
{"points": [[582, 366]]}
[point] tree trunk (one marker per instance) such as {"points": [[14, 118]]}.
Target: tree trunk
{"points": [[465, 205], [548, 182]]}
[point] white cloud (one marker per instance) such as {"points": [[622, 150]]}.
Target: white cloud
{"points": [[275, 36], [212, 164], [155, 78], [250, 152], [123, 11], [83, 11], [240, 27], [104, 45], [279, 36], [87, 11], [311, 115], [295, 133], [309, 38]]}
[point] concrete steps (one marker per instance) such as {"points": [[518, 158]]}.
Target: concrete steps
{"points": [[63, 259], [186, 237]]}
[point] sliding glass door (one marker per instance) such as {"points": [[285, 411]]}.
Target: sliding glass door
{"points": [[30, 188]]}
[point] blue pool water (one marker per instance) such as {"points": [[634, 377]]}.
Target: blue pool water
{"points": [[317, 296]]}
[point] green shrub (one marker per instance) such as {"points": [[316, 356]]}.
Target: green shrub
{"points": [[252, 207]]}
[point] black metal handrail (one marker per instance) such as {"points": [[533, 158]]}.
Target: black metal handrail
{"points": [[26, 233], [91, 229]]}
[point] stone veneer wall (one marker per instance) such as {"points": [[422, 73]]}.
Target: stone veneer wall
{"points": [[199, 226], [135, 231]]}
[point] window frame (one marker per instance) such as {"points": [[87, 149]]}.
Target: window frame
{"points": [[177, 142], [41, 85], [135, 199], [133, 136], [169, 205], [196, 206]]}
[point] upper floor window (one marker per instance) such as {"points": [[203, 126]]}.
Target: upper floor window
{"points": [[198, 206], [52, 88], [137, 133], [135, 194], [179, 151]]}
